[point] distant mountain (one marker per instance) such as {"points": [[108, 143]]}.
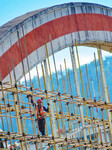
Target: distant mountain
{"points": [[91, 73]]}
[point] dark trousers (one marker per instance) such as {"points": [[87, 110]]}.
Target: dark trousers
{"points": [[1, 144], [41, 124]]}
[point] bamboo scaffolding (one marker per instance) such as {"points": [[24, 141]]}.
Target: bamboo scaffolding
{"points": [[71, 128], [90, 102]]}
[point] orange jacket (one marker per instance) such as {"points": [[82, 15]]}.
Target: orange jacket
{"points": [[40, 114]]}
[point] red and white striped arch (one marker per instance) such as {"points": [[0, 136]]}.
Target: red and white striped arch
{"points": [[89, 24]]}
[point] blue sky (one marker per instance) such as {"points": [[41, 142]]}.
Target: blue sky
{"points": [[10, 9]]}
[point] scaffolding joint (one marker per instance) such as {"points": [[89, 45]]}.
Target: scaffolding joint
{"points": [[15, 85], [89, 107], [8, 133], [29, 96], [12, 93], [105, 103], [23, 134], [46, 91], [31, 88], [60, 112], [48, 104], [72, 96], [79, 105], [102, 109], [72, 114], [54, 101], [16, 102], [67, 103], [22, 107], [49, 144], [3, 99], [84, 99], [8, 105], [59, 93], [95, 100], [42, 140], [66, 139], [78, 140]]}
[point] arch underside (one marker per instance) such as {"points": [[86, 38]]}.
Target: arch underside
{"points": [[34, 59], [89, 24]]}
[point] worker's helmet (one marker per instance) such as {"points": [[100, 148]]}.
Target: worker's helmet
{"points": [[39, 100]]}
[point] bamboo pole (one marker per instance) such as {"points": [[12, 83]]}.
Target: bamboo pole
{"points": [[74, 106], [42, 98], [64, 91], [16, 106], [108, 117], [24, 114], [26, 55], [59, 95], [104, 85], [48, 108], [83, 92], [3, 125], [31, 88], [20, 49], [3, 99], [97, 77], [67, 104], [57, 116], [10, 117], [31, 108], [51, 103], [38, 76], [93, 119], [19, 109], [73, 59], [99, 129], [70, 90]]}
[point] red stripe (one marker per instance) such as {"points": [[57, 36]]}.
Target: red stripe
{"points": [[57, 28]]}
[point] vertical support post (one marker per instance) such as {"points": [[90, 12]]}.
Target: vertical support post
{"points": [[83, 92], [77, 86], [97, 77], [104, 86], [17, 106], [51, 103], [103, 75], [52, 130], [49, 67], [60, 102]]}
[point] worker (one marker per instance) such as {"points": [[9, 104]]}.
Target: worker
{"points": [[41, 111]]}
